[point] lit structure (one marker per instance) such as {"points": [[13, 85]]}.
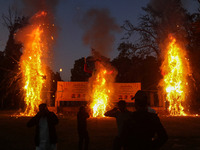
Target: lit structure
{"points": [[175, 70]]}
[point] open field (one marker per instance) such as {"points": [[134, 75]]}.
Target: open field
{"points": [[184, 133]]}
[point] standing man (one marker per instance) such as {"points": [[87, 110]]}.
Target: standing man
{"points": [[144, 130], [82, 117], [122, 115], [45, 135]]}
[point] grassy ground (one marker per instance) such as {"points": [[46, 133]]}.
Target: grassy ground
{"points": [[184, 133]]}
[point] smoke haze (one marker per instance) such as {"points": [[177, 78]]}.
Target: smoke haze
{"points": [[33, 6], [171, 20], [99, 28]]}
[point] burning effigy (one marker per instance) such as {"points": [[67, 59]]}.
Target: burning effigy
{"points": [[100, 84], [175, 69], [99, 29], [36, 39]]}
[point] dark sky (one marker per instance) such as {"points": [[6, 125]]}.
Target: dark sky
{"points": [[69, 46]]}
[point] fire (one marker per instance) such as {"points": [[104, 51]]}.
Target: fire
{"points": [[40, 14], [174, 69], [101, 91], [32, 66]]}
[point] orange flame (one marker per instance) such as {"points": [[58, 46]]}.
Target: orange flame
{"points": [[101, 91], [40, 14], [174, 69], [32, 67]]}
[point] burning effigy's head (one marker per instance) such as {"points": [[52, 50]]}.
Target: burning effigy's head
{"points": [[140, 99]]}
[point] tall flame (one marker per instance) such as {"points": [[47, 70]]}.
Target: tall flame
{"points": [[174, 69], [32, 67], [101, 91]]}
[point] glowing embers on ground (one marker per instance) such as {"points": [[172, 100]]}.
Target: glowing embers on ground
{"points": [[101, 90], [32, 68], [174, 70]]}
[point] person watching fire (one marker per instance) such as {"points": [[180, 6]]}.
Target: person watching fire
{"points": [[144, 129], [45, 135], [82, 117], [122, 115]]}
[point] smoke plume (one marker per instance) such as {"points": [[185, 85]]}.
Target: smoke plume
{"points": [[33, 6], [171, 18], [170, 11], [99, 29], [40, 12]]}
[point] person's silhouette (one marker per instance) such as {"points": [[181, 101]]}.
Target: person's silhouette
{"points": [[45, 135], [82, 117], [144, 130], [122, 115]]}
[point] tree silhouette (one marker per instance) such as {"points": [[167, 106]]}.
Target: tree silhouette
{"points": [[78, 73], [160, 19], [155, 25], [10, 78], [137, 69], [194, 58]]}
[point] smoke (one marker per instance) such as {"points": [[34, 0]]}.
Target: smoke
{"points": [[40, 13], [99, 29], [33, 6], [158, 5], [168, 9], [171, 18]]}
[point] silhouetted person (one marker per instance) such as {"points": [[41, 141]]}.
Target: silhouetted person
{"points": [[82, 117], [45, 135], [144, 131], [122, 115], [149, 109]]}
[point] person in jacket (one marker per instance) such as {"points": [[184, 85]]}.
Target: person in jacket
{"points": [[45, 131], [122, 115], [144, 130]]}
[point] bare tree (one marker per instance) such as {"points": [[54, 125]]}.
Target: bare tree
{"points": [[155, 25], [10, 77]]}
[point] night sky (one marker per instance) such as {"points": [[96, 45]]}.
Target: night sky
{"points": [[69, 45]]}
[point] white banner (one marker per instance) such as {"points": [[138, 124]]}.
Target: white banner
{"points": [[125, 91], [77, 91]]}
